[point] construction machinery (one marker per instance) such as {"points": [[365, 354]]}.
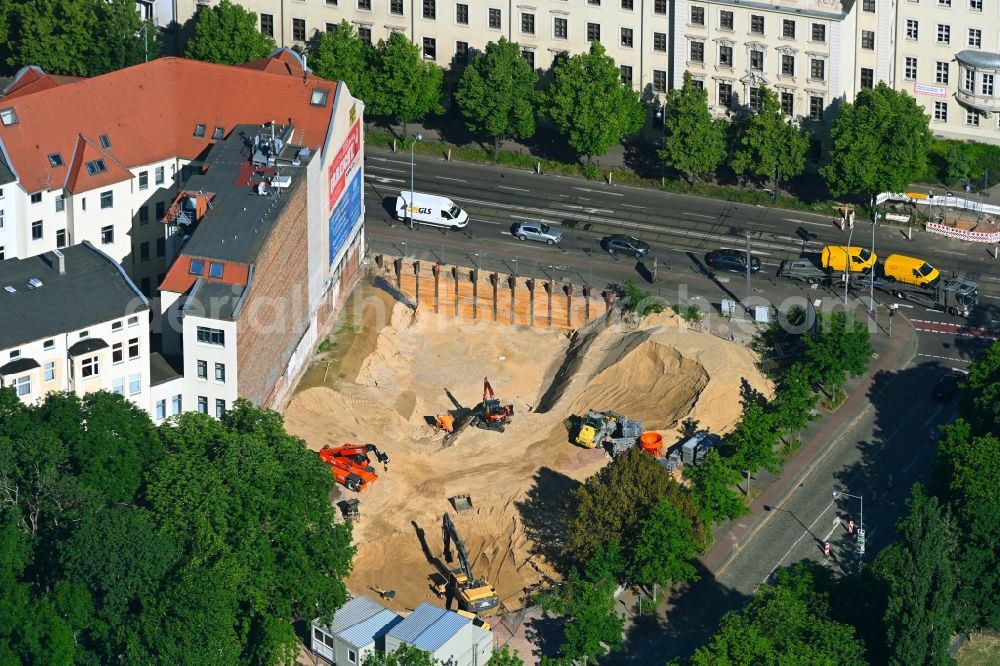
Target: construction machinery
{"points": [[491, 414], [615, 432], [474, 595], [351, 465]]}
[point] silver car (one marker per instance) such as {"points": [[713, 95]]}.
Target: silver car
{"points": [[536, 231]]}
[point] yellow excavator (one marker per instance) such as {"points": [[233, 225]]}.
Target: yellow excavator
{"points": [[474, 596]]}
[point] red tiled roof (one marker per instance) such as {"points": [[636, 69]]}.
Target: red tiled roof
{"points": [[179, 278], [32, 79], [149, 113], [78, 178], [201, 201]]}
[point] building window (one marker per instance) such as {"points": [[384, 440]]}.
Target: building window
{"points": [[3, 252], [95, 167], [788, 29], [89, 367], [161, 410], [910, 68], [61, 238], [134, 384], [495, 19], [697, 51], [8, 116], [395, 8], [365, 34], [818, 32], [659, 6], [144, 252], [725, 20], [698, 16], [161, 247], [628, 5], [943, 33], [757, 60], [49, 345], [660, 42], [725, 94], [430, 48], [975, 37], [267, 24], [627, 37], [972, 118], [560, 28], [36, 230], [220, 408], [593, 32], [816, 108], [529, 57], [352, 657], [970, 80], [754, 99], [868, 39], [118, 385], [299, 29], [160, 210], [107, 235], [175, 404], [659, 80], [133, 321], [912, 29], [107, 200], [202, 369], [220, 372], [60, 206], [462, 51], [941, 72], [36, 197], [626, 74], [430, 9], [528, 23], [787, 65], [867, 77], [987, 85], [941, 111], [817, 69], [116, 326], [50, 371], [143, 180], [462, 14], [868, 6], [133, 349], [23, 385], [366, 5], [203, 404], [698, 84], [211, 336], [55, 160], [976, 5], [944, 3], [756, 24], [118, 353], [143, 216], [787, 103], [725, 56]]}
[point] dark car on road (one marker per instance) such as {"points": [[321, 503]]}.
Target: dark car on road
{"points": [[626, 245], [946, 387], [731, 260]]}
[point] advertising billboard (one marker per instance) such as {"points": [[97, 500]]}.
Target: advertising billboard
{"points": [[345, 216], [347, 158]]}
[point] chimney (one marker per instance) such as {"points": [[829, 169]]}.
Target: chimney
{"points": [[60, 262]]}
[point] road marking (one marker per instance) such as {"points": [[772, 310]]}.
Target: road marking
{"points": [[587, 189], [457, 180], [792, 547], [906, 305], [516, 189], [951, 252], [386, 159], [382, 168], [385, 179], [934, 415], [537, 219], [741, 249], [486, 221], [633, 206], [945, 358], [815, 224], [710, 217]]}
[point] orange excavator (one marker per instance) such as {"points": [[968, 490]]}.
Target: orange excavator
{"points": [[490, 413], [351, 465]]}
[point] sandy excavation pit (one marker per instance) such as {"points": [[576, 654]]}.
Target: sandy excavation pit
{"points": [[386, 378]]}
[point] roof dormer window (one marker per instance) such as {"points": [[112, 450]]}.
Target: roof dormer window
{"points": [[197, 267], [218, 133], [95, 167], [199, 130], [55, 160], [215, 270], [8, 116], [318, 97], [105, 141]]}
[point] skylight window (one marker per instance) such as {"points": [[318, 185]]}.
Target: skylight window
{"points": [[197, 267], [95, 167], [215, 270], [8, 116], [199, 130], [55, 160], [218, 133], [318, 97], [105, 141]]}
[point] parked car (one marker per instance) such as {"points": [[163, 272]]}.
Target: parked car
{"points": [[626, 245], [731, 260], [946, 387], [536, 231]]}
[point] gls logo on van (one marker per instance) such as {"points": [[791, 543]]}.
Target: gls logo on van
{"points": [[421, 211]]}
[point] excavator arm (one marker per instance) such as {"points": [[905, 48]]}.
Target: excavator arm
{"points": [[488, 393], [451, 535]]}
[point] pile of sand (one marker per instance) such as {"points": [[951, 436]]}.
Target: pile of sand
{"points": [[421, 365]]}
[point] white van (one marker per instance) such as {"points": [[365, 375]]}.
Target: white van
{"points": [[430, 209]]}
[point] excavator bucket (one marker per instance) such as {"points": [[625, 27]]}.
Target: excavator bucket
{"points": [[461, 502]]}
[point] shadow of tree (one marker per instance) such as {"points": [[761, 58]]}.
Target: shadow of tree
{"points": [[545, 513], [545, 634], [749, 396]]}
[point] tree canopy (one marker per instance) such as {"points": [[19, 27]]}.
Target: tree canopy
{"points": [[879, 143], [406, 88], [694, 143], [340, 55], [496, 93], [589, 103], [228, 34], [840, 347], [195, 542], [768, 145], [979, 402]]}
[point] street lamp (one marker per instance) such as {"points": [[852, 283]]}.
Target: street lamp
{"points": [[871, 285], [847, 261], [413, 145], [861, 518]]}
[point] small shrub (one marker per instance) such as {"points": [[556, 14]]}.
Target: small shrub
{"points": [[326, 345], [591, 171]]}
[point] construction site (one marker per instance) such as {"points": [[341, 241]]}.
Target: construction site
{"points": [[479, 428]]}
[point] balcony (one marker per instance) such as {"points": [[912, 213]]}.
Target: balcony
{"points": [[980, 63]]}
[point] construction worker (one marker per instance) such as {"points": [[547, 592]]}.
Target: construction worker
{"points": [[445, 422]]}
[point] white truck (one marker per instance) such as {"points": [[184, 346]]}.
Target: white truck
{"points": [[420, 208]]}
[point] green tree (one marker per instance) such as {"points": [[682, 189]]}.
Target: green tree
{"points": [[840, 347], [589, 103], [979, 401], [228, 34], [920, 574], [667, 544], [405, 86], [880, 143], [505, 657], [715, 482], [754, 440], [404, 655], [787, 623], [342, 56], [496, 93], [958, 164], [56, 35], [794, 400], [695, 143], [123, 38], [768, 145]]}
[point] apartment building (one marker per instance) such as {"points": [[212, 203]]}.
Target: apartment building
{"points": [[947, 55], [72, 320]]}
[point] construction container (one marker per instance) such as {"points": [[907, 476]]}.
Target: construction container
{"points": [[651, 443]]}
